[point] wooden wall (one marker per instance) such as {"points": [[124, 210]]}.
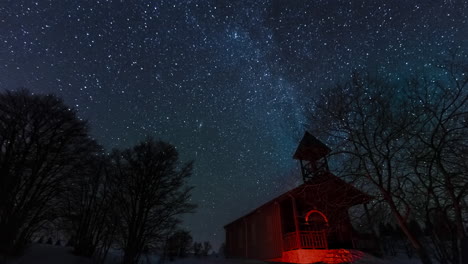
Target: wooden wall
{"points": [[257, 235]]}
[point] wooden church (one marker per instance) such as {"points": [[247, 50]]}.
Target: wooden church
{"points": [[305, 225]]}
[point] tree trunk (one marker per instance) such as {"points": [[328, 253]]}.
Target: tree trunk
{"points": [[129, 257], [9, 239], [131, 254], [418, 247], [450, 189]]}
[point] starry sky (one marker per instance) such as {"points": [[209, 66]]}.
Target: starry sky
{"points": [[224, 81]]}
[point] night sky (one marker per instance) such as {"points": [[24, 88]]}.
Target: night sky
{"points": [[224, 81]]}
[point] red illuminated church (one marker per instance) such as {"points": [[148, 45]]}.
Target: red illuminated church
{"points": [[305, 225]]}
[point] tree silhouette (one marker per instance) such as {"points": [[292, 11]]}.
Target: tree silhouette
{"points": [[179, 244], [88, 208], [42, 142], [197, 248], [206, 248], [439, 162], [405, 142], [150, 193]]}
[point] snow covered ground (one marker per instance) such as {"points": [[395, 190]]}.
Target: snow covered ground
{"points": [[368, 259], [48, 254]]}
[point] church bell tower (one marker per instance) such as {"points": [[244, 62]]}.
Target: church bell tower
{"points": [[312, 155]]}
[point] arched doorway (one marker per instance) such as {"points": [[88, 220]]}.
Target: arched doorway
{"points": [[315, 221], [313, 230]]}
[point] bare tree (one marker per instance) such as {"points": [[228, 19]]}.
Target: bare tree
{"points": [[197, 248], [150, 194], [439, 154], [206, 248], [89, 214], [179, 244], [41, 143], [367, 120]]}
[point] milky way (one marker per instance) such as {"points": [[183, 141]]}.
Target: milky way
{"points": [[224, 81]]}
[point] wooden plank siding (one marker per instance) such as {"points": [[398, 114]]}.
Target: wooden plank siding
{"points": [[257, 235]]}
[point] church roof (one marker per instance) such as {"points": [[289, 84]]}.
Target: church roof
{"points": [[310, 148], [325, 187]]}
